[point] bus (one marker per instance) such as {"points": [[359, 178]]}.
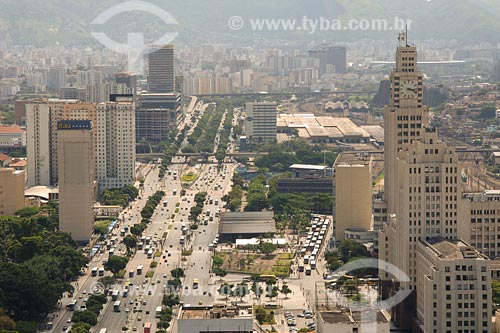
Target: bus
{"points": [[116, 306], [150, 254], [131, 273], [122, 232], [306, 259], [313, 264], [72, 305], [184, 231], [158, 312], [175, 191], [301, 267], [267, 277], [139, 270], [111, 252], [140, 245], [126, 228], [195, 283], [182, 240], [308, 270], [147, 327], [207, 213], [115, 294], [94, 271], [101, 271], [165, 203]]}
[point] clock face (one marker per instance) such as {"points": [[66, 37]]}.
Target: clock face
{"points": [[409, 89]]}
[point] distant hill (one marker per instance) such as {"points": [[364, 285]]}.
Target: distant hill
{"points": [[47, 22]]}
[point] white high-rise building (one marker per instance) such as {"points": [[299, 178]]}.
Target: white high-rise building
{"points": [[260, 123], [115, 141]]}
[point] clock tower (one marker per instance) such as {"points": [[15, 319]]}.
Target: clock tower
{"points": [[405, 116]]}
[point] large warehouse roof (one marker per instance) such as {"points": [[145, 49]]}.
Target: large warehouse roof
{"points": [[247, 223]]}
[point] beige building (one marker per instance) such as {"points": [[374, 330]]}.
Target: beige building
{"points": [[353, 199], [76, 178], [42, 116], [453, 287], [428, 192], [480, 221], [347, 321], [405, 115], [260, 123], [115, 152], [11, 191]]}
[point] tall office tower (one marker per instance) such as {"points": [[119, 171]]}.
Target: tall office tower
{"points": [[353, 198], [428, 191], [157, 116], [76, 178], [423, 193], [11, 191], [161, 76], [56, 79], [405, 115], [115, 131], [453, 287], [129, 80], [497, 71], [260, 122], [42, 116], [331, 55]]}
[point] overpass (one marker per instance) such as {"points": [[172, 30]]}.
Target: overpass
{"points": [[239, 154], [310, 93]]}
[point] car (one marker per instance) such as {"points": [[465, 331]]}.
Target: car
{"points": [[134, 329], [293, 330], [84, 291], [149, 292], [310, 323], [308, 316], [144, 303], [139, 318], [291, 323], [127, 310], [65, 328], [68, 320], [300, 315], [131, 301]]}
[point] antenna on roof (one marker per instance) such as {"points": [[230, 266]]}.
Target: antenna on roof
{"points": [[406, 34]]}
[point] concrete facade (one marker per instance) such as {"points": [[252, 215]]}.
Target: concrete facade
{"points": [[76, 178], [11, 191]]}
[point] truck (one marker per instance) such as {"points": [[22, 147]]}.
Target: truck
{"points": [[94, 271], [131, 273], [101, 271], [147, 327], [115, 295], [139, 270]]}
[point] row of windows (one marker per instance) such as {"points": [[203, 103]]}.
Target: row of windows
{"points": [[409, 118]]}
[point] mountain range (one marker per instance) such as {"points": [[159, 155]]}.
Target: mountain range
{"points": [[49, 22]]}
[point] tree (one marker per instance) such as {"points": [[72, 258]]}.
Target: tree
{"points": [[87, 316], [349, 249], [27, 211], [178, 272], [115, 264], [130, 242], [495, 292], [272, 291], [267, 248], [80, 328], [225, 290], [285, 290], [6, 323], [241, 290], [170, 300]]}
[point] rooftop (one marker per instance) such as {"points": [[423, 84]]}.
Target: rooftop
{"points": [[307, 167], [11, 129], [217, 311], [247, 222], [348, 317], [451, 250], [349, 159]]}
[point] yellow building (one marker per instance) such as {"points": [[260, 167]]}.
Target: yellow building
{"points": [[353, 197], [11, 191]]}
